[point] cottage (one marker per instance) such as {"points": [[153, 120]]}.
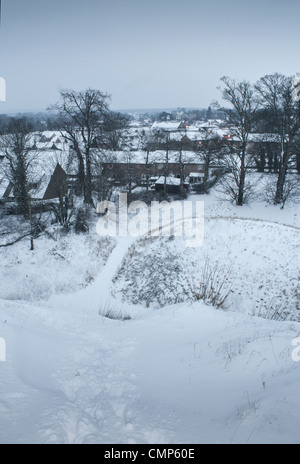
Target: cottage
{"points": [[44, 188]]}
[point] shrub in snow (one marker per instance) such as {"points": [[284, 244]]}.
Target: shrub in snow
{"points": [[63, 212], [214, 286], [82, 220], [162, 271], [111, 311], [153, 272]]}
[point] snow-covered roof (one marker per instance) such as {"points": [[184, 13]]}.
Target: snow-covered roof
{"points": [[4, 183], [167, 125], [155, 157], [264, 138], [42, 166], [229, 134], [197, 174]]}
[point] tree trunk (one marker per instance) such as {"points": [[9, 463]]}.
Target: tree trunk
{"points": [[298, 161], [81, 174], [280, 186], [206, 173], [81, 178], [181, 170], [281, 177], [166, 170], [88, 181], [241, 186], [31, 226], [147, 171]]}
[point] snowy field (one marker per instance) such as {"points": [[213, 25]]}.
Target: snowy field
{"points": [[101, 350]]}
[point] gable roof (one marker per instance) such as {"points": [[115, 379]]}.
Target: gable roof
{"points": [[5, 188], [58, 185]]}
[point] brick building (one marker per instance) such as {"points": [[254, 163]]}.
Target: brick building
{"points": [[138, 169]]}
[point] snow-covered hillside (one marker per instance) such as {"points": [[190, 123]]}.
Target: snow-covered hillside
{"points": [[95, 355]]}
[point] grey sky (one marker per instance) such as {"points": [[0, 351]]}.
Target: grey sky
{"points": [[146, 54]]}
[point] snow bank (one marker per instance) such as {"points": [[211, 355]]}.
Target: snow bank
{"points": [[185, 374], [53, 267], [258, 259]]}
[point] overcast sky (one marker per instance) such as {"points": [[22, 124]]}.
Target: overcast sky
{"points": [[145, 53]]}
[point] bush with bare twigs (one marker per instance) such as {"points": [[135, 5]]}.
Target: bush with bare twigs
{"points": [[214, 286]]}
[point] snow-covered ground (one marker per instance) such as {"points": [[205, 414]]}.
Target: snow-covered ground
{"points": [[159, 372]]}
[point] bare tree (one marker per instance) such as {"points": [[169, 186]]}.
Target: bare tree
{"points": [[104, 182], [163, 140], [130, 179], [18, 166], [181, 143], [82, 115], [114, 132], [211, 150], [242, 118], [297, 153], [146, 144], [181, 165], [276, 95]]}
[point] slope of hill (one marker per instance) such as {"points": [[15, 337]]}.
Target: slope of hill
{"points": [[83, 366]]}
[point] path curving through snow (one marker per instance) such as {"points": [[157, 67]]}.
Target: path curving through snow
{"points": [[184, 374], [98, 292]]}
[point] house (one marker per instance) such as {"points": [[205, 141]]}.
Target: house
{"points": [[138, 168], [45, 188]]}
